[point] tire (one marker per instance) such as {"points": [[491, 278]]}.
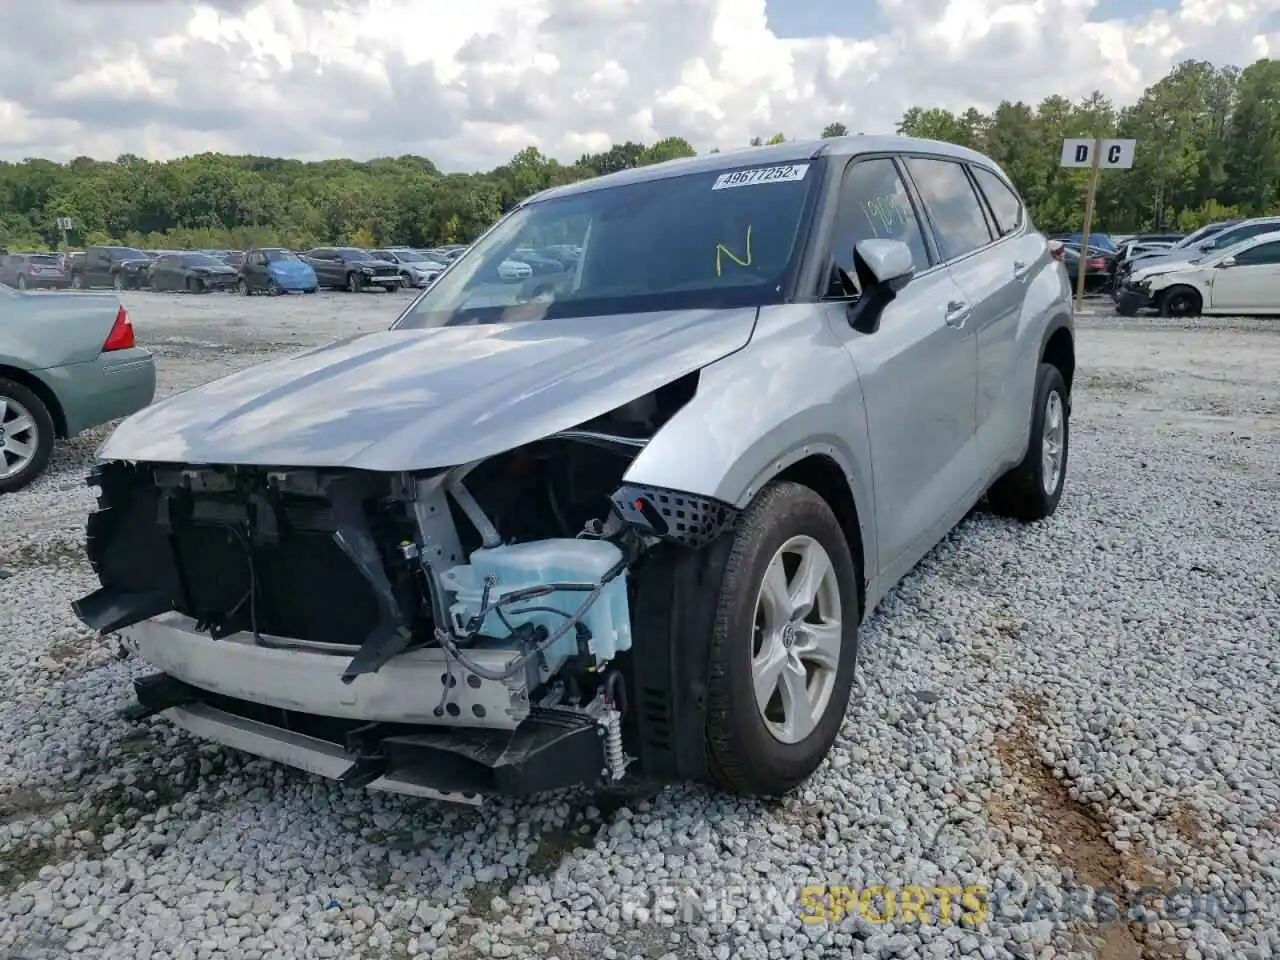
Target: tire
{"points": [[242, 286], [22, 281], [117, 282], [1021, 492], [273, 289], [1180, 301], [747, 749], [406, 281], [355, 283], [77, 282], [17, 402], [311, 289], [1128, 311]]}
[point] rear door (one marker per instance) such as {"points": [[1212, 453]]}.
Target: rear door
{"points": [[1251, 283], [1005, 376], [917, 370]]}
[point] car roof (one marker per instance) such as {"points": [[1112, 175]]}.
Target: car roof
{"points": [[791, 152]]}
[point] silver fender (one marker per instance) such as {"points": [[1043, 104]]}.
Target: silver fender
{"points": [[791, 393]]}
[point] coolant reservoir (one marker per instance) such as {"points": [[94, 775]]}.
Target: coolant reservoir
{"points": [[536, 564]]}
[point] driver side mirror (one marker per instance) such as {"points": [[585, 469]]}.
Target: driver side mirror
{"points": [[1229, 262], [884, 267]]}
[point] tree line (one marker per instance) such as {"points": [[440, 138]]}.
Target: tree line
{"points": [[1208, 148]]}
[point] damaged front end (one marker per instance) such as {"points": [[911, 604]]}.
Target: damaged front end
{"points": [[483, 629]]}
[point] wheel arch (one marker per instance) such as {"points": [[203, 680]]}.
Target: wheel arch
{"points": [[1059, 350], [41, 390]]}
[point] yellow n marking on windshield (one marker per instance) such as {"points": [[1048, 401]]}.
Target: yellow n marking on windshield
{"points": [[723, 251]]}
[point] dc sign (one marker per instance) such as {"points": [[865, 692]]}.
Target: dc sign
{"points": [[1110, 154]]}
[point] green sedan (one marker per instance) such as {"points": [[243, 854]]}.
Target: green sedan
{"points": [[68, 362]]}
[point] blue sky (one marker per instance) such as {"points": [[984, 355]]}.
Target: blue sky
{"points": [[861, 18]]}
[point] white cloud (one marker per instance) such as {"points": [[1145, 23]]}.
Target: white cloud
{"points": [[468, 83]]}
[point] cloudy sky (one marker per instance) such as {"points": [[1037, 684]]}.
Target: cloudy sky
{"points": [[469, 82]]}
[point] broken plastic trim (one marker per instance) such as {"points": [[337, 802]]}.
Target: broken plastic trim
{"points": [[392, 635], [672, 515]]}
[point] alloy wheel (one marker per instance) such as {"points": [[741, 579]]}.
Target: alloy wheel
{"points": [[797, 639], [18, 438], [1051, 443]]}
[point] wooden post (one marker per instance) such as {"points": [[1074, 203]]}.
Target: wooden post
{"points": [[1088, 220]]}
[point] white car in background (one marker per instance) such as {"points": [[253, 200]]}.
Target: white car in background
{"points": [[1241, 279], [512, 270]]}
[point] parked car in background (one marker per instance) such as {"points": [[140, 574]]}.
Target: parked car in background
{"points": [[34, 270], [1240, 279], [1100, 240], [123, 268], [191, 272], [628, 531], [514, 270], [416, 268], [1097, 266], [275, 270], [539, 263], [1190, 248], [67, 363], [352, 269]]}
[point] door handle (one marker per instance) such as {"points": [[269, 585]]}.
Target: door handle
{"points": [[1020, 270], [957, 313]]}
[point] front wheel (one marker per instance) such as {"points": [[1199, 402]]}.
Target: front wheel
{"points": [[22, 281], [26, 436], [311, 290], [117, 282], [784, 644], [242, 286], [355, 283], [1031, 490], [1180, 301], [77, 282]]}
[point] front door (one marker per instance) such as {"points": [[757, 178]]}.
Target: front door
{"points": [[918, 372], [1251, 283]]}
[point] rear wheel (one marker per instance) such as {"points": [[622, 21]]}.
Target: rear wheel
{"points": [[1031, 490], [22, 281], [77, 282], [1180, 301], [784, 644], [26, 436]]}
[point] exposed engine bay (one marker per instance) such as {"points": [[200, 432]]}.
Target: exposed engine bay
{"points": [[481, 612]]}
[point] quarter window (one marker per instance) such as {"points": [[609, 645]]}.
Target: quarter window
{"points": [[874, 205], [1004, 202], [958, 221]]}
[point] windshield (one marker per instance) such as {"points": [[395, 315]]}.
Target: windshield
{"points": [[43, 259], [200, 260], [128, 253], [280, 256], [409, 256], [699, 241]]}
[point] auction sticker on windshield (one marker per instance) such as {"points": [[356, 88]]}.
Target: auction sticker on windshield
{"points": [[787, 173]]}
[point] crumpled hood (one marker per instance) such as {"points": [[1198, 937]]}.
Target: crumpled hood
{"points": [[419, 399], [1152, 270]]}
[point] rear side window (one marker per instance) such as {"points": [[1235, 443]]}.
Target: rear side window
{"points": [[958, 221], [1004, 203], [875, 205]]}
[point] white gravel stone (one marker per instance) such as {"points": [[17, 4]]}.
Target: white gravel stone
{"points": [[1035, 706]]}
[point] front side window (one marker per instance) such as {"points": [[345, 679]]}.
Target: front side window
{"points": [[874, 205], [698, 241], [958, 221], [1262, 254], [1005, 205]]}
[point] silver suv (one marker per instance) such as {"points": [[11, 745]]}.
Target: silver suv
{"points": [[625, 528]]}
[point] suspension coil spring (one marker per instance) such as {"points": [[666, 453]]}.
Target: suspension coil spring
{"points": [[614, 756]]}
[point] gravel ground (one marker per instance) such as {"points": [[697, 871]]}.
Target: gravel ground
{"points": [[1082, 703]]}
